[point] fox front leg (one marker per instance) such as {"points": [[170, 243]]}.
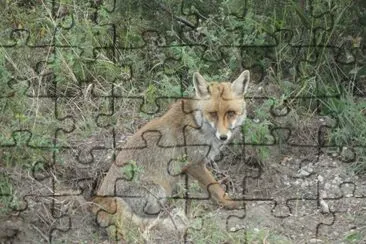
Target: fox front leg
{"points": [[209, 183]]}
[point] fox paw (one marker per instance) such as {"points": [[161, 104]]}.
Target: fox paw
{"points": [[231, 204]]}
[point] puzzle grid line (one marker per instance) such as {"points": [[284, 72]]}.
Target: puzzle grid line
{"points": [[113, 98]]}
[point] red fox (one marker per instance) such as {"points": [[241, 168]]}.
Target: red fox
{"points": [[195, 129]]}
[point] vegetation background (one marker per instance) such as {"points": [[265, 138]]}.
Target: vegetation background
{"points": [[75, 70]]}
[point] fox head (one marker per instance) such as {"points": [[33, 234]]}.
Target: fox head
{"points": [[221, 105]]}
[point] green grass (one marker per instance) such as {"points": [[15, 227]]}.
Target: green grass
{"points": [[8, 200], [210, 228]]}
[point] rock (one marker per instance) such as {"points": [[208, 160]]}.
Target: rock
{"points": [[320, 178], [315, 241], [324, 207], [303, 173]]}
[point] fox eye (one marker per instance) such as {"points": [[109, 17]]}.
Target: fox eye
{"points": [[231, 114], [213, 115]]}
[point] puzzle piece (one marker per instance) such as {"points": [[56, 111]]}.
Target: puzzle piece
{"points": [[349, 210]]}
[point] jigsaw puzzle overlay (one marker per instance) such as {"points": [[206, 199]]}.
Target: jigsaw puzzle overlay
{"points": [[79, 80]]}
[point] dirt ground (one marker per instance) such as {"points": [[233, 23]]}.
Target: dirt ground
{"points": [[296, 197]]}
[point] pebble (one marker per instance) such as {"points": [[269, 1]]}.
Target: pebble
{"points": [[320, 178], [305, 184], [323, 194], [315, 241], [337, 179], [303, 173], [327, 186], [237, 227], [324, 206]]}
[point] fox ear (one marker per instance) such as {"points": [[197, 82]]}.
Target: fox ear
{"points": [[200, 85], [240, 85]]}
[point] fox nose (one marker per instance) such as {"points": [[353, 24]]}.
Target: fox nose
{"points": [[223, 137]]}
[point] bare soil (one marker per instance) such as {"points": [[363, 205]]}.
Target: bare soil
{"points": [[301, 196]]}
